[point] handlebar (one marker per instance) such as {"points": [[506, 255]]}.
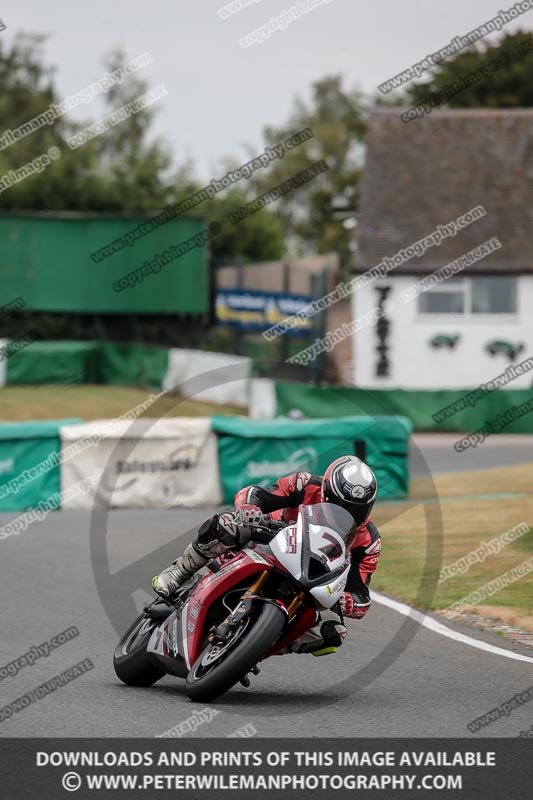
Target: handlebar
{"points": [[269, 524], [264, 531]]}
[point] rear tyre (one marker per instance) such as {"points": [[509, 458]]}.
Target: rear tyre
{"points": [[206, 680], [133, 665]]}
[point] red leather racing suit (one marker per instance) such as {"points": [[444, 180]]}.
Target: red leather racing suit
{"points": [[282, 499]]}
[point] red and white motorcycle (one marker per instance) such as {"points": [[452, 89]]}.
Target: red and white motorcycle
{"points": [[249, 606]]}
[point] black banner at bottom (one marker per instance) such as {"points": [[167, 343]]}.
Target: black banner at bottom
{"points": [[288, 769]]}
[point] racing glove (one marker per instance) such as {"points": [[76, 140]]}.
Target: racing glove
{"points": [[351, 608], [248, 515]]}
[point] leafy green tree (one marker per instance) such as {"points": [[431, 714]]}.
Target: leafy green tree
{"points": [[26, 90], [259, 237], [316, 212], [508, 83], [137, 168], [121, 169], [118, 170]]}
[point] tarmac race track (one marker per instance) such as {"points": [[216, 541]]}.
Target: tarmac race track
{"points": [[436, 452], [392, 677]]}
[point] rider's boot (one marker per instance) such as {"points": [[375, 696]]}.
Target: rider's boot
{"points": [[322, 640], [216, 536], [167, 583]]}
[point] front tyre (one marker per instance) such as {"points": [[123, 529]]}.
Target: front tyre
{"points": [[133, 665], [212, 675]]}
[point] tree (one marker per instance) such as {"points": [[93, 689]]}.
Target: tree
{"points": [[259, 237], [137, 169], [316, 212], [505, 82], [118, 170], [26, 90], [121, 169]]}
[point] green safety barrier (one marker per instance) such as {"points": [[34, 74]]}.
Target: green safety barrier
{"points": [[133, 365], [24, 445], [64, 362], [417, 405], [260, 451], [55, 362]]}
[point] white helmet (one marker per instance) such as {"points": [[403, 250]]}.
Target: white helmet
{"points": [[351, 484]]}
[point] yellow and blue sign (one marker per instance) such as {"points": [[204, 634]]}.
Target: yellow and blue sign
{"points": [[253, 311]]}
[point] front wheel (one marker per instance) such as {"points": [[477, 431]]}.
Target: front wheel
{"points": [[218, 668], [133, 665]]}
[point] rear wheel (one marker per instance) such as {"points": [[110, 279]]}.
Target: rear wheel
{"points": [[220, 667], [133, 665]]}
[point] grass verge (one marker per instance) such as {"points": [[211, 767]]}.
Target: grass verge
{"points": [[411, 541], [22, 403]]}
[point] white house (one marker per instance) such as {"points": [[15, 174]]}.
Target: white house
{"points": [[472, 168]]}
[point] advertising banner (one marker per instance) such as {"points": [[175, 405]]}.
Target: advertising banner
{"points": [[141, 464], [252, 311]]}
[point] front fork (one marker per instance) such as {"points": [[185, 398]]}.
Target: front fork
{"points": [[222, 632]]}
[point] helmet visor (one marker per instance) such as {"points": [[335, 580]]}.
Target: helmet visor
{"points": [[359, 511]]}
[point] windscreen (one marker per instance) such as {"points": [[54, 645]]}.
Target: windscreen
{"points": [[335, 517]]}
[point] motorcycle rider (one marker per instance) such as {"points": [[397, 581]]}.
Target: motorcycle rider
{"points": [[348, 482]]}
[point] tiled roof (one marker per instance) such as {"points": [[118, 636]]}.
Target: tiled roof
{"points": [[429, 171]]}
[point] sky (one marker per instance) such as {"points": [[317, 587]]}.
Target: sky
{"points": [[221, 95]]}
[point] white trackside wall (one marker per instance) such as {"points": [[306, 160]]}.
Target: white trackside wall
{"points": [[415, 364], [212, 377], [3, 363]]}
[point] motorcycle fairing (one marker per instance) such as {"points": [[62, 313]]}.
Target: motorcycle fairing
{"points": [[297, 546], [193, 615]]}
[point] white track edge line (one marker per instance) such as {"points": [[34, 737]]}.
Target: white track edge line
{"points": [[438, 627]]}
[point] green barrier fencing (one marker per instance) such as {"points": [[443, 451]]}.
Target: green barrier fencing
{"points": [[133, 365], [24, 445], [249, 451], [418, 406], [46, 260], [55, 362], [62, 362], [259, 452]]}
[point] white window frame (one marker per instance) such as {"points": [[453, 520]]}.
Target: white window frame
{"points": [[467, 313]]}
